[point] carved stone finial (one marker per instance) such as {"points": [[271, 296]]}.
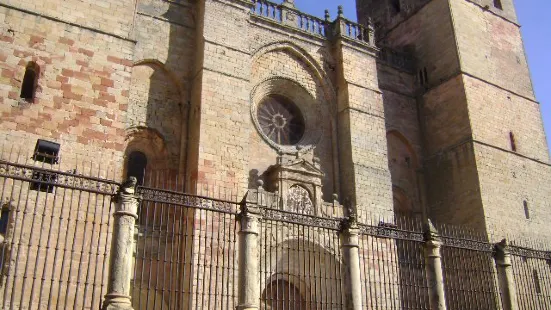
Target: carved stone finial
{"points": [[335, 197], [327, 16], [341, 11], [129, 186], [260, 184], [501, 251], [431, 233], [289, 3], [502, 246], [351, 214]]}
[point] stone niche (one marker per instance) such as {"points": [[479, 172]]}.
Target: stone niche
{"points": [[296, 180]]}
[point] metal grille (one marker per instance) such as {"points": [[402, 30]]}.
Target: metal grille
{"points": [[300, 262], [186, 254], [56, 226], [56, 230], [393, 265], [532, 273], [470, 274]]}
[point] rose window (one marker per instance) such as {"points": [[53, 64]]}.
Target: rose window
{"points": [[280, 120]]}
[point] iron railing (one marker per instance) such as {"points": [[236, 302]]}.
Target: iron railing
{"points": [[56, 230], [56, 225]]}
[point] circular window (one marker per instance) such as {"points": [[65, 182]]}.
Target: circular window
{"points": [[280, 120]]}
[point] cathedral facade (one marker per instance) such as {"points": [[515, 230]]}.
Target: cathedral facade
{"points": [[422, 109]]}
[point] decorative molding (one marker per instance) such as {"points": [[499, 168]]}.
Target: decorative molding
{"points": [[186, 200], [467, 244], [304, 219], [54, 178], [529, 253], [392, 233]]}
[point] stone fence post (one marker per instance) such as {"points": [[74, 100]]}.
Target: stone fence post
{"points": [[505, 276], [433, 268], [122, 247], [249, 271], [351, 255]]}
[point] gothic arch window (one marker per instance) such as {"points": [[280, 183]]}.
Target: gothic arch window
{"points": [[281, 120], [30, 81], [282, 295], [299, 200], [136, 165], [498, 5]]}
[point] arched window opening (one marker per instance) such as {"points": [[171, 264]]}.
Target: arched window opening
{"points": [[30, 80], [396, 7], [513, 142], [137, 163], [283, 295], [498, 5], [526, 210]]}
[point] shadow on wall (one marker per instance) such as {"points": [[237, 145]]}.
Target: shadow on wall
{"points": [[158, 97], [156, 126]]}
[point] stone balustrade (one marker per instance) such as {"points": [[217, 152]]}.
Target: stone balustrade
{"points": [[286, 14]]}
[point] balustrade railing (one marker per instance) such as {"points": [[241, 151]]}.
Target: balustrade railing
{"points": [[289, 16], [311, 24], [356, 31], [267, 9]]}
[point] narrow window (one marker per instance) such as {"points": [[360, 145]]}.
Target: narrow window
{"points": [[526, 210], [30, 80], [513, 142], [426, 75], [43, 181], [537, 282], [137, 162], [396, 7], [46, 152], [497, 4]]}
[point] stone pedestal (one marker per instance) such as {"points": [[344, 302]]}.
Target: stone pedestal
{"points": [[505, 276], [249, 272], [122, 246], [433, 268]]}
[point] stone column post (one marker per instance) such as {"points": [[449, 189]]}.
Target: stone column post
{"points": [[122, 247], [505, 276], [249, 271], [433, 268], [350, 249]]}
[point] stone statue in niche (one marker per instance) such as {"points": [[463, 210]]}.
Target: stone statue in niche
{"points": [[298, 200]]}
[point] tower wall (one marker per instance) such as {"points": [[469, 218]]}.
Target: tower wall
{"points": [[481, 125]]}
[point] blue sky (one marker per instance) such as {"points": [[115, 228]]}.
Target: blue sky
{"points": [[536, 30]]}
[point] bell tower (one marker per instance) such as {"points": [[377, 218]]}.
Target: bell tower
{"points": [[484, 155]]}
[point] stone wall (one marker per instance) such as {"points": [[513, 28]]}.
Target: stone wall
{"points": [[82, 91]]}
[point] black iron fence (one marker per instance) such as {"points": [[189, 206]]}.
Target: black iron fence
{"points": [[186, 252], [56, 227]]}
